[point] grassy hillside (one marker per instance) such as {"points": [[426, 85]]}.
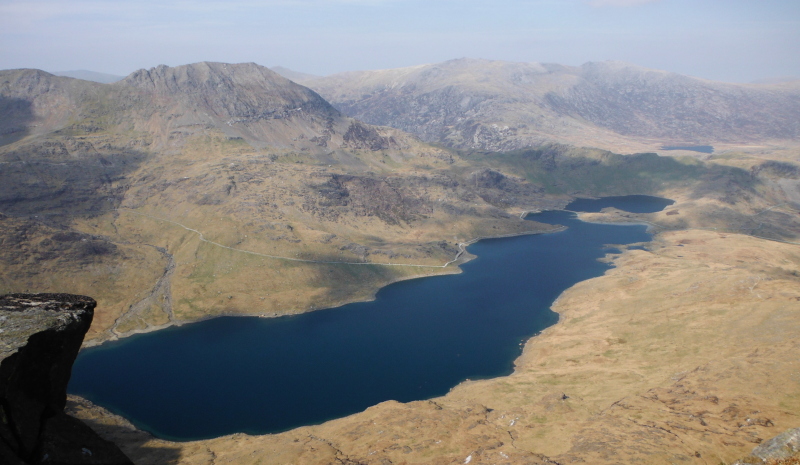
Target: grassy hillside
{"points": [[183, 193]]}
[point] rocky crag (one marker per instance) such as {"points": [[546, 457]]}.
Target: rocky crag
{"points": [[182, 193], [229, 186], [40, 336], [782, 449], [497, 105]]}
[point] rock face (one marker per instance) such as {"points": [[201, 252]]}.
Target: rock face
{"points": [[636, 101], [40, 337], [781, 446], [496, 105], [213, 140], [244, 90], [245, 100]]}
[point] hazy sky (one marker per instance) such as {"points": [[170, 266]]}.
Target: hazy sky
{"points": [[730, 40]]}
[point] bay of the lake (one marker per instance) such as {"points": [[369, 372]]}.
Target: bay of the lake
{"points": [[416, 340]]}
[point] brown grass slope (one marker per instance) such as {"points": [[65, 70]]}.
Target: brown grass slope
{"points": [[183, 193], [683, 353], [237, 190]]}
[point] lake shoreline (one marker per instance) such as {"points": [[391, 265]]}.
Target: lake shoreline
{"points": [[462, 257], [600, 357], [545, 297]]}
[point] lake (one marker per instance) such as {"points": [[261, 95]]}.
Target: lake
{"points": [[416, 340], [628, 203], [691, 148]]}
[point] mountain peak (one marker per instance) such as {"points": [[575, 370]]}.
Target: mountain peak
{"points": [[241, 90], [166, 79]]}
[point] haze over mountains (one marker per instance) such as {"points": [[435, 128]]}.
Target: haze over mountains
{"points": [[90, 76], [496, 105], [182, 193], [242, 100], [252, 161], [296, 178], [293, 75], [105, 78]]}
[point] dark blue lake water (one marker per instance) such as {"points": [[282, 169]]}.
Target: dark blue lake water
{"points": [[628, 203], [693, 148], [418, 339]]}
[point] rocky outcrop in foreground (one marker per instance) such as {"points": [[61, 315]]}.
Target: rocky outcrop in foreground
{"points": [[40, 336], [783, 448]]}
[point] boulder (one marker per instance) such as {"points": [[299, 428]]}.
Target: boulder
{"points": [[783, 446]]}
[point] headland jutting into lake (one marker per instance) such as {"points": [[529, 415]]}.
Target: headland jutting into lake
{"points": [[416, 340]]}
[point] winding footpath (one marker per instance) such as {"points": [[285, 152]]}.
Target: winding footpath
{"points": [[461, 245], [461, 248]]}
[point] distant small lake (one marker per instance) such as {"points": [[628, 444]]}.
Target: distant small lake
{"points": [[417, 340], [691, 148], [628, 203]]}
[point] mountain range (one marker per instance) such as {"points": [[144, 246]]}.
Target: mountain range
{"points": [[213, 156], [182, 193], [497, 105], [219, 178]]}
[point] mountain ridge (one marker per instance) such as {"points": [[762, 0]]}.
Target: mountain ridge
{"points": [[190, 192], [105, 173], [497, 105]]}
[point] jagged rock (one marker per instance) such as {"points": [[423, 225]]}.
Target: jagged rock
{"points": [[498, 106], [40, 336], [361, 136], [235, 92], [782, 446]]}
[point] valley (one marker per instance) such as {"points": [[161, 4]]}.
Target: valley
{"points": [[343, 194], [183, 193]]}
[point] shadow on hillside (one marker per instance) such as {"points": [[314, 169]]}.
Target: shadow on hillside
{"points": [[573, 171], [15, 118], [563, 169], [137, 445], [725, 183], [45, 178], [337, 281]]}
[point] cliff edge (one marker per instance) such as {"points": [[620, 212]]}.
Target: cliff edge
{"points": [[40, 336]]}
